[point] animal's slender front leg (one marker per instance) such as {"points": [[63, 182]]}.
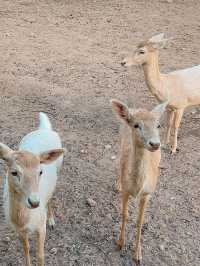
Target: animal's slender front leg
{"points": [[50, 216], [142, 205], [122, 165], [177, 121], [41, 234], [170, 118], [125, 198], [121, 172], [25, 243]]}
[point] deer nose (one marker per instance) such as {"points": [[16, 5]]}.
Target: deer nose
{"points": [[34, 202], [123, 63], [154, 145]]}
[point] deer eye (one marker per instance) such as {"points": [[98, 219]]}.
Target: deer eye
{"points": [[136, 126], [141, 52], [158, 126], [14, 173], [41, 172]]}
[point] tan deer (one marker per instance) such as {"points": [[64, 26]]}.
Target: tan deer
{"points": [[139, 161], [29, 184], [181, 88]]}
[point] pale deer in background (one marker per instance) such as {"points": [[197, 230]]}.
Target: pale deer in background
{"points": [[139, 161], [181, 88], [29, 184]]}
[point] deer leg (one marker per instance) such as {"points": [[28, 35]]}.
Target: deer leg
{"points": [[142, 205], [119, 179], [25, 243], [119, 185], [50, 216], [122, 172], [120, 241], [177, 121], [41, 234], [170, 118], [123, 165]]}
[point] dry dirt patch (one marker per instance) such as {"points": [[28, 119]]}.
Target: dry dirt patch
{"points": [[62, 57]]}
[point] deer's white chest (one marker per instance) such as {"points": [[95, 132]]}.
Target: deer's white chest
{"points": [[37, 219]]}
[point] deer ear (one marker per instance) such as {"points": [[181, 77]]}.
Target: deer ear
{"points": [[50, 156], [5, 152], [121, 110], [157, 38], [158, 41], [159, 109]]}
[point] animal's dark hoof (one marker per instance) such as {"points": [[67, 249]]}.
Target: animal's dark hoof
{"points": [[174, 151], [52, 227], [118, 245], [51, 223], [137, 262]]}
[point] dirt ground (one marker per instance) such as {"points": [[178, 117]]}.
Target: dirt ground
{"points": [[63, 58]]}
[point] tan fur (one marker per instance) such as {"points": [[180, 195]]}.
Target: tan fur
{"points": [[20, 215], [139, 167], [171, 86], [26, 159]]}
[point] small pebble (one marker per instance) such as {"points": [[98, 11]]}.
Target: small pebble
{"points": [[108, 146], [193, 112], [109, 216], [54, 251], [91, 202], [113, 157], [7, 239], [162, 247]]}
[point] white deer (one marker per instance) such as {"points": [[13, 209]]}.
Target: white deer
{"points": [[30, 182], [181, 88]]}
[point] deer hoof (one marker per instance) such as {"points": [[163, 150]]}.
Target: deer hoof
{"points": [[138, 257], [119, 244], [51, 223], [138, 262], [173, 151], [118, 187]]}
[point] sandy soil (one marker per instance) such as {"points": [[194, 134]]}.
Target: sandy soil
{"points": [[62, 57]]}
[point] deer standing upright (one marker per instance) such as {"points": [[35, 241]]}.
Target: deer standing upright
{"points": [[139, 161], [181, 88]]}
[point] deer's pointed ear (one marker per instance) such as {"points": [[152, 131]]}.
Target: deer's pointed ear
{"points": [[50, 156], [159, 109], [157, 38], [5, 152], [121, 110], [158, 41]]}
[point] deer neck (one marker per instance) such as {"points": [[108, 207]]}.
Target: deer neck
{"points": [[153, 77], [139, 162], [18, 212]]}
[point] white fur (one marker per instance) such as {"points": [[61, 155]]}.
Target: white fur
{"points": [[190, 82], [40, 140]]}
